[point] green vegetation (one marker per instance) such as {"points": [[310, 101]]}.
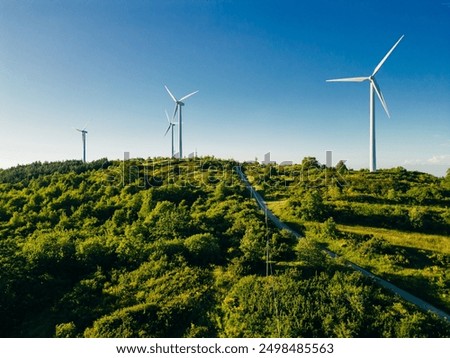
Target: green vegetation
{"points": [[161, 248], [394, 222]]}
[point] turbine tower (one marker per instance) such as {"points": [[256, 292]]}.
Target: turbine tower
{"points": [[171, 125], [83, 137], [374, 88], [178, 104]]}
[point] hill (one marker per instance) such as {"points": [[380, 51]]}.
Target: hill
{"points": [[160, 248], [393, 222]]}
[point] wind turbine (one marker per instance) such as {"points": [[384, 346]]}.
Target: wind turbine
{"points": [[374, 88], [178, 104], [171, 125], [83, 137]]}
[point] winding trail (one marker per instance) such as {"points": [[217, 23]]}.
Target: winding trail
{"points": [[423, 305]]}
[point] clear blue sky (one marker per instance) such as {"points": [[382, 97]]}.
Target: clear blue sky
{"points": [[260, 67]]}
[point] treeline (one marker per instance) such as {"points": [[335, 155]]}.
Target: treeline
{"points": [[24, 173], [162, 248]]}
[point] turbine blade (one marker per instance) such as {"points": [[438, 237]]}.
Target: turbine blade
{"points": [[380, 96], [386, 56], [350, 79], [168, 129], [170, 94], [167, 116], [187, 96], [175, 112]]}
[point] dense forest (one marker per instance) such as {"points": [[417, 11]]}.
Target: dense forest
{"points": [[167, 248]]}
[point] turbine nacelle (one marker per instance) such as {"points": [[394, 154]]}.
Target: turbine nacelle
{"points": [[84, 131], [179, 102]]}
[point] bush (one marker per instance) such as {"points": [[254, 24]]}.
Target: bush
{"points": [[417, 217], [329, 229], [312, 207], [203, 249], [65, 330]]}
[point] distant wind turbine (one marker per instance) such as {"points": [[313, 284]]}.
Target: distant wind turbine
{"points": [[373, 88], [83, 137], [178, 104], [171, 125]]}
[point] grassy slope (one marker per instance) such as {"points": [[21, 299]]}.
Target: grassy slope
{"points": [[435, 243]]}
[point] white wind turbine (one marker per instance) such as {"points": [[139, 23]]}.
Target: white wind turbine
{"points": [[83, 137], [178, 104], [171, 125], [373, 88]]}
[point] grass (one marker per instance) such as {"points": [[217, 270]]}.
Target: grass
{"points": [[431, 242]]}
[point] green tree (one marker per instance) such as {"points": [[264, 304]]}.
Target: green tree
{"points": [[282, 246], [253, 248], [203, 249], [167, 220], [329, 229], [417, 217], [65, 330], [312, 207], [341, 167]]}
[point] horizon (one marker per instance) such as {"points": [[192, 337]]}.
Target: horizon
{"points": [[250, 161], [260, 72]]}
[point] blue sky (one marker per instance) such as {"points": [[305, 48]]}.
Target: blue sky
{"points": [[260, 68]]}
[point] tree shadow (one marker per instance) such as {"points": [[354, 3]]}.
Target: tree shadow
{"points": [[420, 287], [409, 257]]}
